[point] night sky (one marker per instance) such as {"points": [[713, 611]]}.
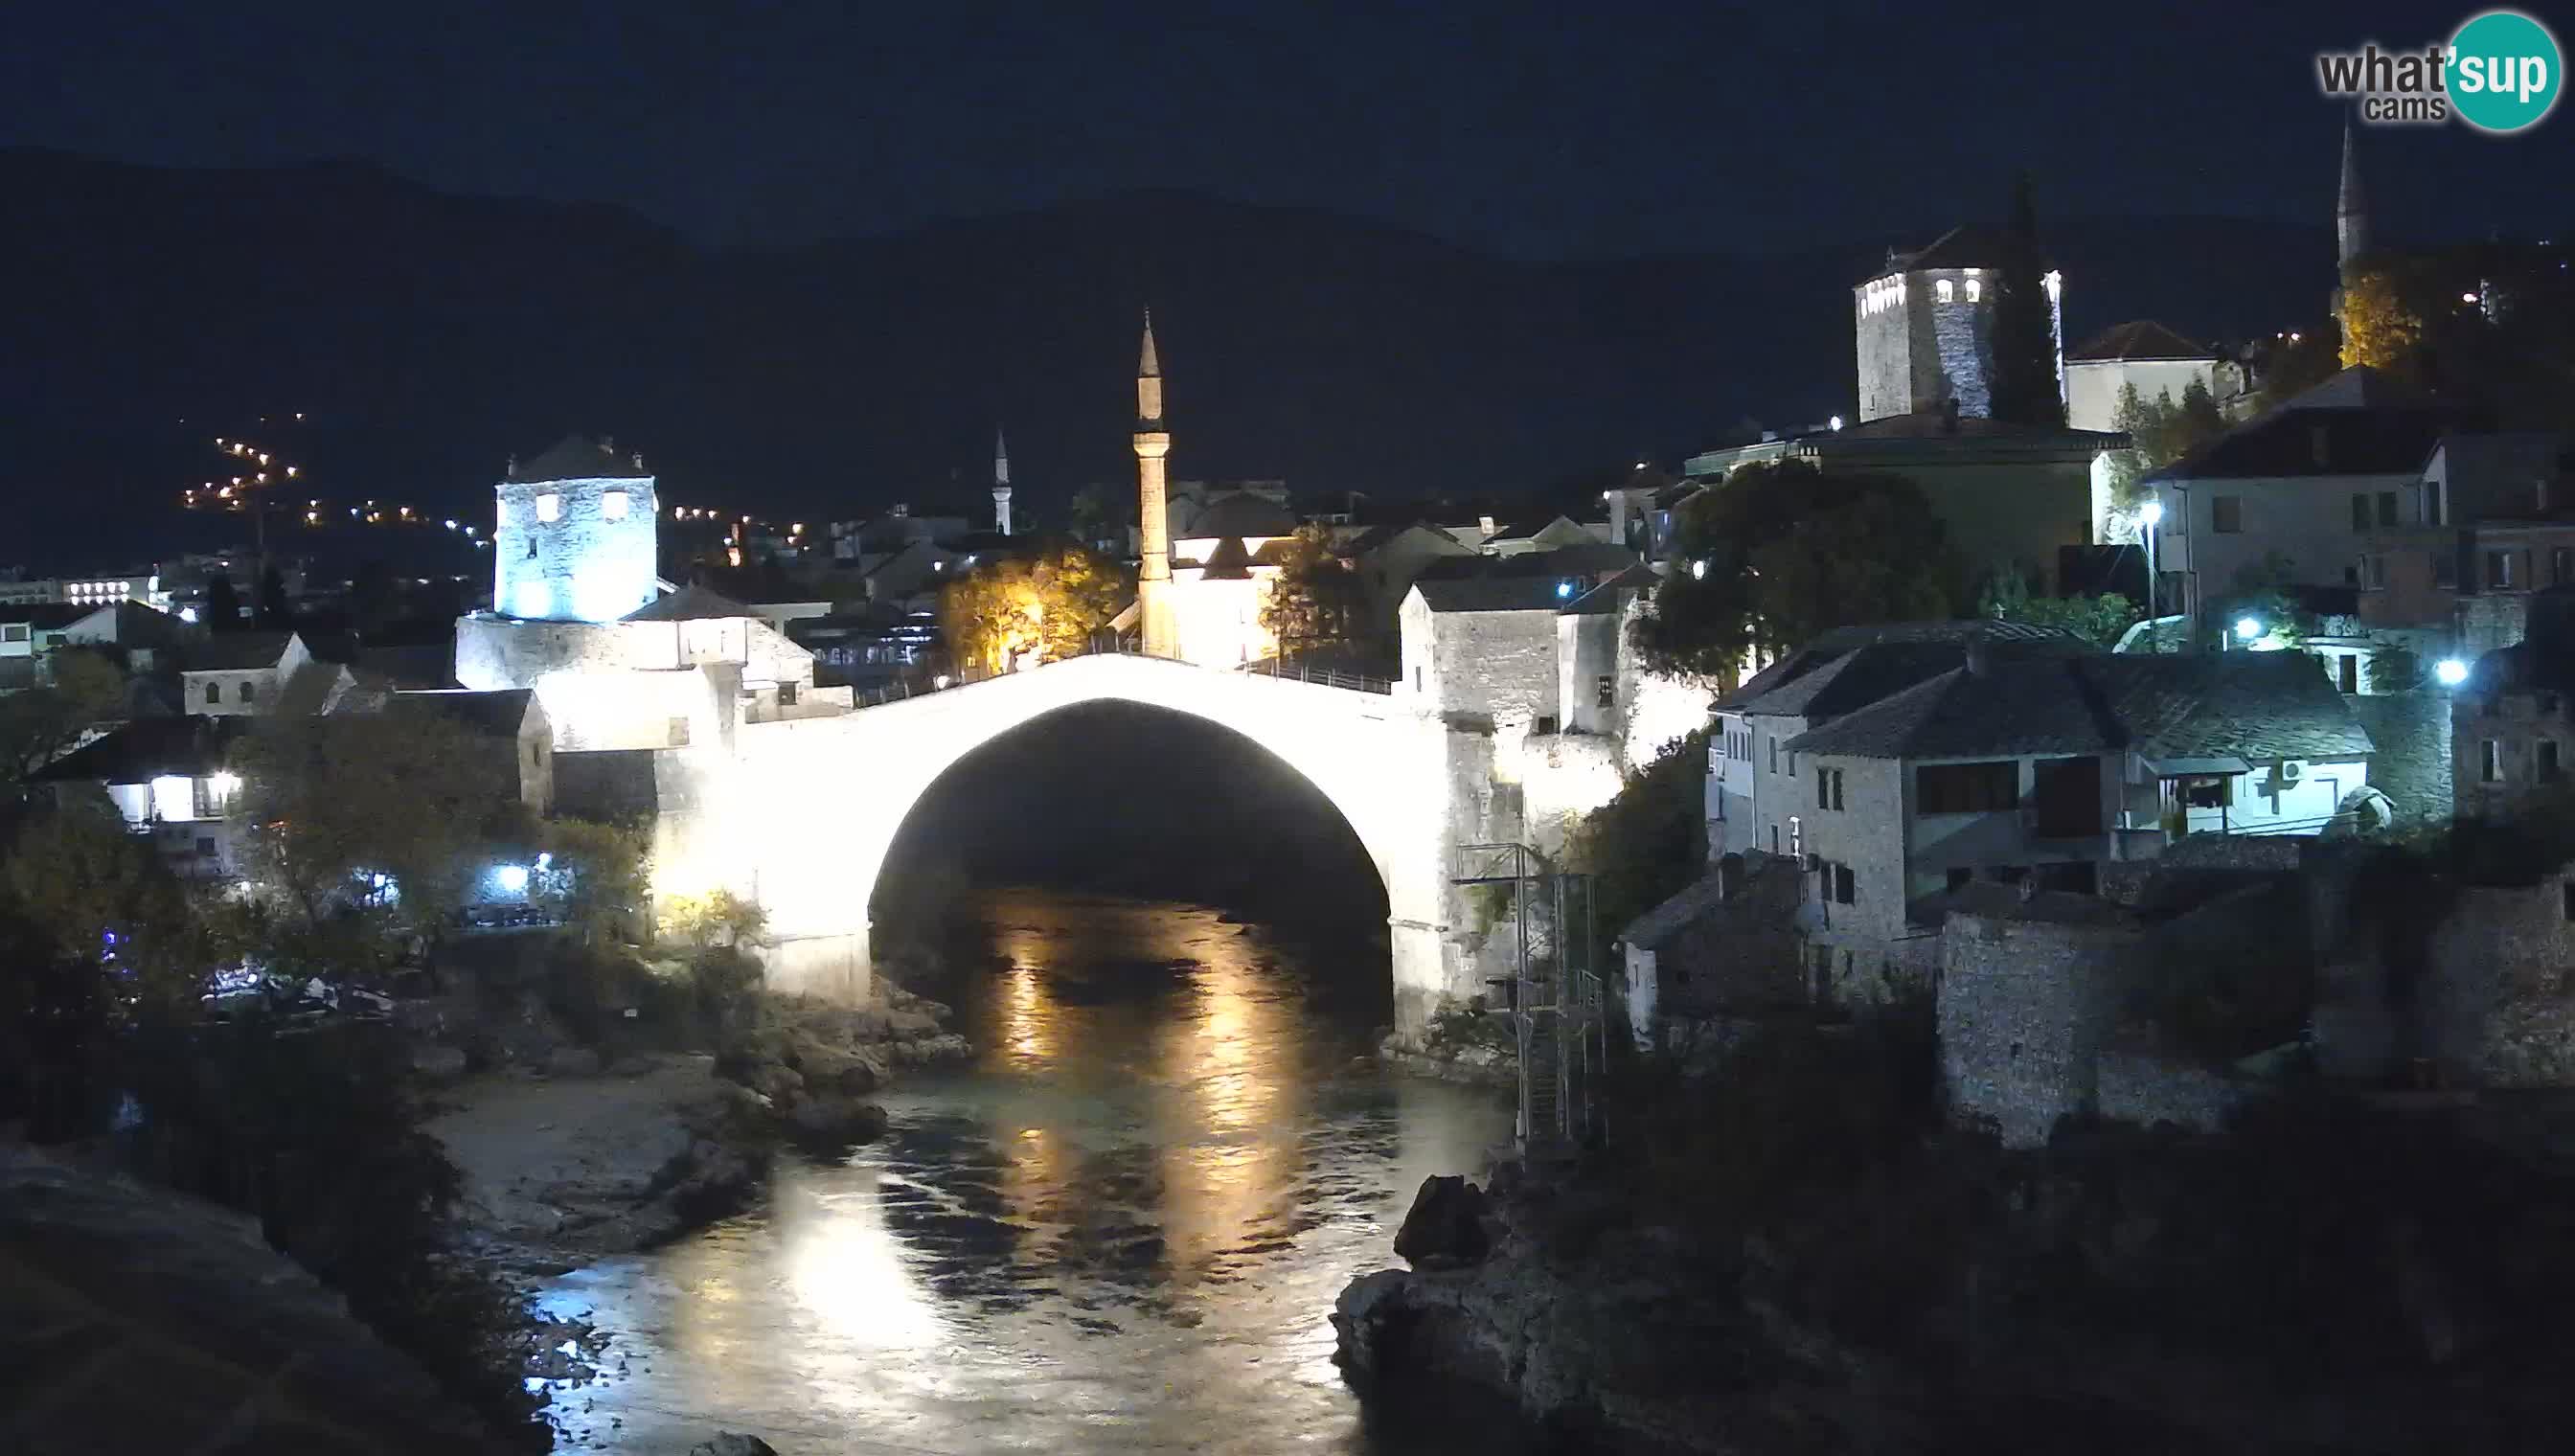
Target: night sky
{"points": [[1537, 131]]}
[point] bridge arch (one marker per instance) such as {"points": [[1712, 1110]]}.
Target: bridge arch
{"points": [[813, 805]]}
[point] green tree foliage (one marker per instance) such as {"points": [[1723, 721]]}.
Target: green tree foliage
{"points": [[2382, 320], [44, 723], [274, 615], [333, 801], [1791, 552], [2160, 430], [223, 610], [2026, 386], [718, 917], [1647, 842], [1044, 606], [2299, 364], [1091, 516], [597, 877], [1315, 603], [2100, 618]]}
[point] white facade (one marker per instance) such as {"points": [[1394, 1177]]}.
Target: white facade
{"points": [[2219, 532], [2092, 386], [574, 550]]}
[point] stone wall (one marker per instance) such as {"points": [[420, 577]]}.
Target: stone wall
{"points": [[1961, 338], [2147, 1090], [2412, 765], [583, 564], [2025, 1008], [2499, 1003]]}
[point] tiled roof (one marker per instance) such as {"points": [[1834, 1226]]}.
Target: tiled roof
{"points": [[1241, 514], [1597, 558], [1378, 535], [689, 604], [1843, 641], [2254, 706], [2141, 339], [1491, 593], [151, 748], [2352, 424], [499, 712], [237, 651], [580, 457], [1610, 594], [44, 616]]}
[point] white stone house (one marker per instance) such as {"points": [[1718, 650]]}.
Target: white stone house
{"points": [[2041, 771], [233, 672], [2157, 361], [2512, 722], [170, 780]]}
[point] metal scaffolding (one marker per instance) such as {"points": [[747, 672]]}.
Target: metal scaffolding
{"points": [[1553, 996]]}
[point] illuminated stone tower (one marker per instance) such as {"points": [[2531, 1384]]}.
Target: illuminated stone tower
{"points": [[2351, 208], [1159, 631], [1001, 484], [574, 534]]}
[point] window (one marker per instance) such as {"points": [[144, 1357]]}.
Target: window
{"points": [[1606, 690], [213, 693], [2208, 791], [2387, 507], [1947, 289], [2360, 513], [2566, 899], [1544, 725], [249, 691], [2373, 571], [1975, 289], [2561, 566], [611, 506], [1823, 789], [1417, 680], [1843, 884], [1774, 838], [2546, 760], [1797, 837], [1955, 788], [205, 844], [2226, 515], [1774, 756], [2499, 573], [2348, 665], [14, 631], [550, 506], [787, 694], [2490, 761], [678, 733]]}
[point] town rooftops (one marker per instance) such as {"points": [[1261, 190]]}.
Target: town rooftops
{"points": [[2138, 339], [1491, 593], [580, 457], [44, 616], [2259, 707], [237, 651], [1378, 535], [2352, 424], [1239, 513], [498, 712], [689, 604], [1611, 593], [1830, 647], [149, 749], [1590, 560]]}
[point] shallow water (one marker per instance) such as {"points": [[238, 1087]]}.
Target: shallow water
{"points": [[1121, 1229]]}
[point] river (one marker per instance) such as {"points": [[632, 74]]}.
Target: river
{"points": [[1119, 1229]]}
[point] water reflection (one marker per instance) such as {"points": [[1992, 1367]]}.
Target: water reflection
{"points": [[1121, 1230]]}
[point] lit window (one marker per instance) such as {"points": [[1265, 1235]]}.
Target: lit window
{"points": [[1947, 290], [1975, 289], [549, 507], [611, 506]]}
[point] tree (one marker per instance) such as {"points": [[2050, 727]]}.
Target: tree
{"points": [[1089, 516], [375, 601], [369, 828], [2297, 364], [2382, 326], [1780, 551], [597, 875], [2159, 433], [223, 604], [272, 612], [2026, 386], [1315, 603], [2101, 619], [41, 723], [1030, 609], [717, 917], [1649, 840]]}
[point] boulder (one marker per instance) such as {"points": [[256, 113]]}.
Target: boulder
{"points": [[831, 1123], [1357, 1316], [733, 1443], [907, 1024], [831, 1068], [1446, 1228], [945, 1046], [438, 1064], [572, 1062]]}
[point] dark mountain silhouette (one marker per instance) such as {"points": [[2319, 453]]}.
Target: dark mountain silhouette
{"points": [[427, 337]]}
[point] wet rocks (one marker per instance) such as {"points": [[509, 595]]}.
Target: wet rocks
{"points": [[733, 1443], [438, 1064], [832, 1122], [1446, 1228]]}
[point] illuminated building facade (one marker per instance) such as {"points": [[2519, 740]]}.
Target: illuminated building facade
{"points": [[574, 539]]}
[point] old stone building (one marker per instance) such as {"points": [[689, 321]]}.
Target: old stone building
{"points": [[2511, 728], [1924, 326], [575, 534]]}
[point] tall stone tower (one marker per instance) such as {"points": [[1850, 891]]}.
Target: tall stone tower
{"points": [[575, 534], [2351, 208], [1001, 484], [1158, 627], [1924, 326]]}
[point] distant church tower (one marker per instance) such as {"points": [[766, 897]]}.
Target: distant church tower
{"points": [[1001, 484], [574, 534], [1159, 630]]}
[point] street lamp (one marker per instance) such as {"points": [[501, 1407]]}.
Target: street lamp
{"points": [[2450, 672], [2247, 628]]}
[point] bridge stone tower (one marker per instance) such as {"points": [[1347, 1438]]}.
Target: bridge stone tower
{"points": [[1158, 629], [1001, 484], [573, 538]]}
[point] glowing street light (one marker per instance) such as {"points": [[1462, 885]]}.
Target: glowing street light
{"points": [[2450, 672], [2247, 628]]}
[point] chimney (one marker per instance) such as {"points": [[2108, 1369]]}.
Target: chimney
{"points": [[1949, 416]]}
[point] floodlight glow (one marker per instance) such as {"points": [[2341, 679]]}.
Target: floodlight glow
{"points": [[513, 878], [2450, 672], [2151, 512], [2247, 628], [1563, 590], [1698, 569]]}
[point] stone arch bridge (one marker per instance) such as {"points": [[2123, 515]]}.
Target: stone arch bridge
{"points": [[802, 813]]}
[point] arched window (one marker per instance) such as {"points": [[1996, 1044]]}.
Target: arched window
{"points": [[213, 693], [249, 691], [1975, 289], [549, 507], [1947, 289]]}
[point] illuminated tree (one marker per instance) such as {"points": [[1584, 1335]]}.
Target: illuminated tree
{"points": [[2100, 618], [1780, 551], [1028, 610], [2160, 432], [2381, 327], [1316, 601], [41, 723]]}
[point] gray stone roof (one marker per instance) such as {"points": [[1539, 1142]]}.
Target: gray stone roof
{"points": [[1612, 594], [237, 651], [689, 604], [1241, 514], [498, 712], [1491, 593], [151, 748], [1753, 695], [2138, 339], [580, 457], [2255, 705]]}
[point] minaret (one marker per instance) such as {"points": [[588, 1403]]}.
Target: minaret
{"points": [[2351, 209], [1001, 484], [1160, 633]]}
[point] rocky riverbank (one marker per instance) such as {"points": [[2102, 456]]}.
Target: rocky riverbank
{"points": [[2389, 1291]]}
